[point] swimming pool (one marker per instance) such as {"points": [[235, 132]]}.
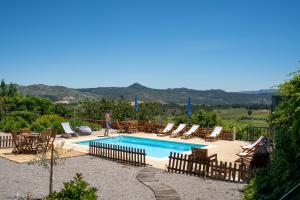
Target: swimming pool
{"points": [[154, 148]]}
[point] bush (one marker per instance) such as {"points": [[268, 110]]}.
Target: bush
{"points": [[10, 123], [27, 115], [62, 110], [77, 122], [47, 121], [75, 189]]}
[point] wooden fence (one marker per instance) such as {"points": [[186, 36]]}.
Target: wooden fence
{"points": [[226, 171], [118, 153], [6, 141]]}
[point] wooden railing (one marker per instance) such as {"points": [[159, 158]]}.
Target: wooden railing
{"points": [[252, 133], [226, 171], [6, 141], [118, 153]]}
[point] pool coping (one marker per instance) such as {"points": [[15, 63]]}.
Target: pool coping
{"points": [[75, 140]]}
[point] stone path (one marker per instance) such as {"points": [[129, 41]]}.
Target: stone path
{"points": [[161, 191]]}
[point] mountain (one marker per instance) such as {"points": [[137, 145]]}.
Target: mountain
{"points": [[265, 91], [54, 93], [176, 95]]}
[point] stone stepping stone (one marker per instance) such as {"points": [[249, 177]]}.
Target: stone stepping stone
{"points": [[161, 191]]}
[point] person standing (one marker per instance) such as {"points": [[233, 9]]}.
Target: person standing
{"points": [[107, 124]]}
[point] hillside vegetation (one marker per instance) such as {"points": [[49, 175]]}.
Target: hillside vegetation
{"points": [[177, 95]]}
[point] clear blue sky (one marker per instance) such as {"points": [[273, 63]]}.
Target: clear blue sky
{"points": [[213, 44]]}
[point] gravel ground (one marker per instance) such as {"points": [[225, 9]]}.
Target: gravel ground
{"points": [[114, 181], [198, 188]]}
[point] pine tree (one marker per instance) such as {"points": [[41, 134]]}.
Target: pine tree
{"points": [[12, 90], [3, 88]]}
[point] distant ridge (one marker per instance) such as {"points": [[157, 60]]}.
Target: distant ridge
{"points": [[175, 95], [266, 91]]}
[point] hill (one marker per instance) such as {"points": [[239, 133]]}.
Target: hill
{"points": [[176, 95]]}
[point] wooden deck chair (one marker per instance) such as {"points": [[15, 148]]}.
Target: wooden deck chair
{"points": [[201, 156], [17, 142], [46, 140], [244, 157], [24, 130], [190, 133], [179, 130], [167, 130], [253, 145], [203, 153], [214, 135], [120, 127]]}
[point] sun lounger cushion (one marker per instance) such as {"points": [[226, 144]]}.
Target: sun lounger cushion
{"points": [[168, 128], [192, 130], [179, 128], [254, 144], [67, 128], [216, 131]]}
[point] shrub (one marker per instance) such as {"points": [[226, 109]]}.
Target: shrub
{"points": [[62, 110], [27, 115], [10, 123], [75, 189], [47, 121]]}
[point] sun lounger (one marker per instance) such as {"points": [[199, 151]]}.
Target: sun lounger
{"points": [[179, 129], [68, 131], [192, 130], [167, 130], [216, 132], [244, 157], [248, 151], [251, 146]]}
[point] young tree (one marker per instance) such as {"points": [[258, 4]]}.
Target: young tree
{"points": [[55, 159]]}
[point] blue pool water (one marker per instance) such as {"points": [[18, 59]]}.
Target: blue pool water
{"points": [[153, 148]]}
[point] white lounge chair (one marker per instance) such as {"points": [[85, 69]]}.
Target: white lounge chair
{"points": [[167, 130], [179, 129], [191, 131], [248, 151], [68, 130], [216, 132], [251, 146]]}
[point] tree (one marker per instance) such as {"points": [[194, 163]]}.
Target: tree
{"points": [[283, 172], [249, 112], [12, 90], [4, 90], [55, 159]]}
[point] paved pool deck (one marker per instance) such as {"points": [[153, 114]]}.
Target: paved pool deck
{"points": [[226, 150]]}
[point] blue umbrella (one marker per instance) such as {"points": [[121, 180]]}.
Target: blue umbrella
{"points": [[188, 113], [136, 107]]}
